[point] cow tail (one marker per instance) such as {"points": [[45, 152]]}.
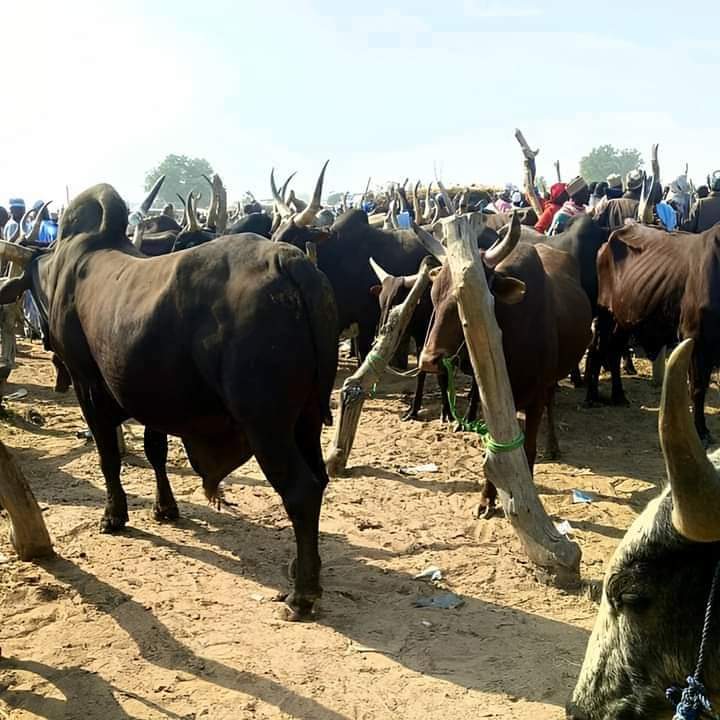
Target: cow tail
{"points": [[319, 303]]}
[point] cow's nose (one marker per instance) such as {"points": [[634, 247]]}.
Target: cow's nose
{"points": [[429, 362], [573, 712]]}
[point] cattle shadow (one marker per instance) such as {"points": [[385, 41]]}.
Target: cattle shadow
{"points": [[419, 482], [373, 607], [148, 633]]}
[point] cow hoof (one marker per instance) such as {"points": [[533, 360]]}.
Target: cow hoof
{"points": [[485, 512], [170, 512], [111, 524], [299, 609], [410, 415]]}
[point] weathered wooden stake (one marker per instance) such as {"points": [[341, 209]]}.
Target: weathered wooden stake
{"points": [[356, 388], [530, 189], [28, 533], [554, 554], [557, 170]]}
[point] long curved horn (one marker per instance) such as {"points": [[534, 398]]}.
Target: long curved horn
{"points": [[393, 211], [32, 236], [211, 218], [416, 202], [693, 481], [364, 195], [185, 215], [192, 225], [645, 208], [283, 189], [12, 252], [501, 249], [308, 214], [381, 274], [427, 216], [446, 197], [283, 209], [147, 203], [221, 209], [430, 242]]}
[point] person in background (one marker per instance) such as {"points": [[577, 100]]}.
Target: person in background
{"points": [[17, 210], [703, 191], [678, 197], [517, 200], [618, 210], [558, 197], [614, 187], [503, 203], [169, 210], [579, 196], [4, 217], [706, 211]]}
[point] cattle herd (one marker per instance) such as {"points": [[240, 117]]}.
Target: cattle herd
{"points": [[223, 329]]}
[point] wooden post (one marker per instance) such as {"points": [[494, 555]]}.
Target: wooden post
{"points": [[530, 189], [28, 533], [557, 170], [356, 388], [554, 554]]}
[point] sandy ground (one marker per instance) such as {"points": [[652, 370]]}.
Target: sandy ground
{"points": [[179, 620]]}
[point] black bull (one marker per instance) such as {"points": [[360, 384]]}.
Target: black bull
{"points": [[231, 346]]}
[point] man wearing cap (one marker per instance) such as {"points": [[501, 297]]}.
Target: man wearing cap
{"points": [[614, 187], [579, 194], [706, 211], [620, 209], [17, 210]]}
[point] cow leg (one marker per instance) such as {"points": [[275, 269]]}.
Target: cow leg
{"points": [[552, 448], [289, 472], [414, 409], [156, 451], [533, 417], [593, 362], [700, 371], [63, 381], [576, 377], [473, 402], [116, 512], [615, 353], [445, 411]]}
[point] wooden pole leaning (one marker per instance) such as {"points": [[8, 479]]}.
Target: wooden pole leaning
{"points": [[357, 387], [556, 558], [28, 533]]}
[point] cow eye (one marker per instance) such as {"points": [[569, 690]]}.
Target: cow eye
{"points": [[632, 601]]}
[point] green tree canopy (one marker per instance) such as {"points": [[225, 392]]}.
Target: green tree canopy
{"points": [[605, 160], [183, 175]]}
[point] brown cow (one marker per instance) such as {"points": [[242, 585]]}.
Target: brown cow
{"points": [[545, 318]]}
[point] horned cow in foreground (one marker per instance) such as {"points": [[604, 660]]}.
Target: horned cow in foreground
{"points": [[231, 346], [647, 633]]}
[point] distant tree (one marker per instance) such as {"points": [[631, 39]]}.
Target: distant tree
{"points": [[606, 160], [183, 175]]}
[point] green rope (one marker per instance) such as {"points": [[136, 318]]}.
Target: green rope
{"points": [[477, 426]]}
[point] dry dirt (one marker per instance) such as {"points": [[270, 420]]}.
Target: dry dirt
{"points": [[178, 620]]}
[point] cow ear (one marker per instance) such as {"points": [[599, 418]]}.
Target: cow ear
{"points": [[12, 288], [376, 290], [508, 290]]}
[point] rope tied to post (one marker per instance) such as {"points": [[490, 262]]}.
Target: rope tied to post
{"points": [[477, 426]]}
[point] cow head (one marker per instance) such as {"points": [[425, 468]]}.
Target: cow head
{"points": [[293, 214], [647, 633], [445, 335]]}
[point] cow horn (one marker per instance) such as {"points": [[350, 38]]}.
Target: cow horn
{"points": [[364, 195], [693, 480], [185, 214], [192, 224], [430, 242], [12, 252], [283, 189], [381, 274], [416, 202], [32, 236], [308, 214], [502, 248], [446, 197], [645, 208], [283, 210], [402, 199], [427, 215], [409, 280], [147, 203], [211, 218]]}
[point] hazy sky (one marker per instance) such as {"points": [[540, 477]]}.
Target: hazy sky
{"points": [[103, 90]]}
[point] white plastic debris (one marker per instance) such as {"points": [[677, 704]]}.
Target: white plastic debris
{"points": [[564, 527], [416, 469], [578, 496], [431, 572]]}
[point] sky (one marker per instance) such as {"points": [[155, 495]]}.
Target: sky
{"points": [[101, 91]]}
